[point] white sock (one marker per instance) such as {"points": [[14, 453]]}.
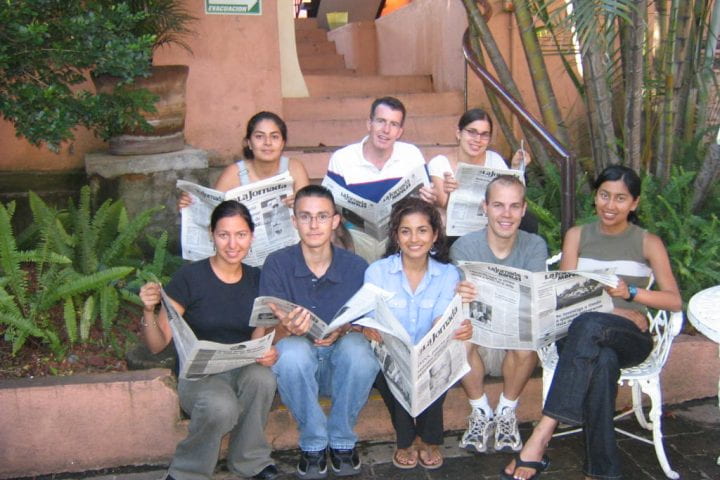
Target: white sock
{"points": [[505, 403], [482, 404]]}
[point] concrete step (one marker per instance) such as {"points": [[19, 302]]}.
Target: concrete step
{"points": [[321, 61], [377, 85], [316, 160], [305, 24], [334, 108], [310, 35], [315, 48], [436, 130]]}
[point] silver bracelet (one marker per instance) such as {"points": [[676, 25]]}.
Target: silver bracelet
{"points": [[144, 324]]}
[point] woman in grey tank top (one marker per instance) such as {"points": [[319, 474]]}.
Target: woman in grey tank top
{"points": [[599, 344], [263, 146]]}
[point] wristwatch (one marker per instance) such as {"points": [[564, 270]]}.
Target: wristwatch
{"points": [[632, 290]]}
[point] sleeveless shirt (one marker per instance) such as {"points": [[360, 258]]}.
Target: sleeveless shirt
{"points": [[244, 174], [624, 252]]}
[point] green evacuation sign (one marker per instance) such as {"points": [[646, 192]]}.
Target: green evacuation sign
{"points": [[234, 7]]}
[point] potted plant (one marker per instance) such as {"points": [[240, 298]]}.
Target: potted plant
{"points": [[167, 22]]}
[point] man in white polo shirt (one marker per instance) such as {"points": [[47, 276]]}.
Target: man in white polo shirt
{"points": [[374, 165]]}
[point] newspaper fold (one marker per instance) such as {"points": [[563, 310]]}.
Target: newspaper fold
{"points": [[199, 358], [264, 199], [371, 217], [359, 304], [418, 374], [465, 211], [522, 310]]}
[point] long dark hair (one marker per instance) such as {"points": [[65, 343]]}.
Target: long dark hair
{"points": [[473, 115], [252, 123], [231, 208], [628, 176], [409, 205]]}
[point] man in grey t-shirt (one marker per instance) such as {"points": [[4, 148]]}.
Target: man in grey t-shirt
{"points": [[503, 243]]}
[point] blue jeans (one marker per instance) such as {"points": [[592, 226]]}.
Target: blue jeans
{"points": [[584, 387], [344, 371]]}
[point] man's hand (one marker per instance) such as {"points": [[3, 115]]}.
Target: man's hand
{"points": [[427, 194], [466, 290], [517, 159], [372, 334], [297, 321], [331, 338], [465, 331], [185, 200], [269, 358]]}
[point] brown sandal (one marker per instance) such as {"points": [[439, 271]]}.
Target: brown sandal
{"points": [[430, 457], [405, 458]]}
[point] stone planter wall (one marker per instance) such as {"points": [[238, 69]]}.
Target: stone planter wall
{"points": [[73, 424]]}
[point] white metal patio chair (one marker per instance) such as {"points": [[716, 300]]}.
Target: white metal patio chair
{"points": [[642, 378]]}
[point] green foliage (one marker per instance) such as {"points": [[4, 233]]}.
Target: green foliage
{"points": [[79, 268], [48, 46]]}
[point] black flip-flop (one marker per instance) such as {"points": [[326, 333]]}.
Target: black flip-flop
{"points": [[539, 467]]}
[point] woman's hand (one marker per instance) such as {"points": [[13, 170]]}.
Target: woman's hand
{"points": [[372, 334], [428, 194], [185, 200], [150, 296], [466, 290], [517, 159], [269, 358], [450, 184], [297, 321], [638, 318], [465, 331], [621, 291], [289, 200]]}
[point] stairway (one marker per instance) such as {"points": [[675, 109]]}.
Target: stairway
{"points": [[336, 112]]}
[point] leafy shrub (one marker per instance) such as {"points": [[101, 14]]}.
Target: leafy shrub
{"points": [[80, 262]]}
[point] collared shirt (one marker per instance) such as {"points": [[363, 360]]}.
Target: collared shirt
{"points": [[286, 275], [416, 310], [349, 168]]}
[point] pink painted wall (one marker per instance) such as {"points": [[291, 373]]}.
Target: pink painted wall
{"points": [[234, 72]]}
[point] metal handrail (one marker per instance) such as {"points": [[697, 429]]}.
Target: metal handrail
{"points": [[567, 161]]}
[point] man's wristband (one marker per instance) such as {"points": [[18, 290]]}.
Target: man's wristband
{"points": [[632, 291]]}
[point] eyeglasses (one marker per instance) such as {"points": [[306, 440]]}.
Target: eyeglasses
{"points": [[321, 218], [382, 123], [475, 135]]}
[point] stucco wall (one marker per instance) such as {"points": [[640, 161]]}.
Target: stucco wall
{"points": [[234, 72]]}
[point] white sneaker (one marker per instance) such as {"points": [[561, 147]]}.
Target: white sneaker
{"points": [[478, 433], [507, 434]]}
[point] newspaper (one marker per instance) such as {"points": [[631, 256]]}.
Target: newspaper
{"points": [[465, 211], [264, 199], [199, 358], [418, 374], [522, 310], [370, 217], [359, 304]]}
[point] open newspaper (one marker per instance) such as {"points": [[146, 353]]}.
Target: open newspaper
{"points": [[373, 218], [522, 310], [264, 199], [418, 374], [465, 212], [359, 304], [199, 358]]}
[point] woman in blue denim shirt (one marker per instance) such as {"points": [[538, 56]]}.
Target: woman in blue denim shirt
{"points": [[416, 269], [599, 344]]}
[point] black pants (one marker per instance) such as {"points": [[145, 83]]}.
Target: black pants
{"points": [[428, 425]]}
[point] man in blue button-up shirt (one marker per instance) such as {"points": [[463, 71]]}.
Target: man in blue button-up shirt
{"points": [[320, 278]]}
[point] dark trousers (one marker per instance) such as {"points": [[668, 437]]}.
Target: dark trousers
{"points": [[428, 425], [584, 387]]}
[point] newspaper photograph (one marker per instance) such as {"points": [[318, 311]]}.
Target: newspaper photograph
{"points": [[359, 304], [522, 310], [264, 200], [419, 374], [199, 358], [370, 217], [465, 211]]}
